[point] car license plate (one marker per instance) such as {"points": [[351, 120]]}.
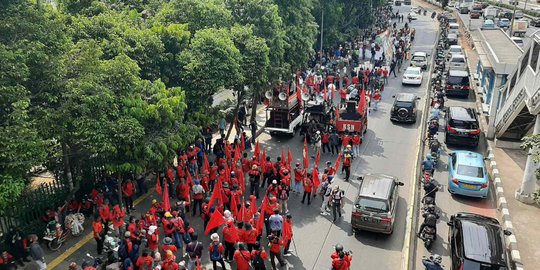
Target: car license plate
{"points": [[469, 186], [371, 220]]}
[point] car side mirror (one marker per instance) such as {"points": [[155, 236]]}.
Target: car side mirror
{"points": [[478, 113], [393, 96], [487, 158], [450, 223], [400, 184], [418, 98], [507, 232]]}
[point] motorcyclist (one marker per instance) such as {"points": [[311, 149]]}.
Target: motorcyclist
{"points": [[433, 127], [433, 262], [430, 220], [346, 256], [435, 145], [435, 112], [428, 165], [430, 189]]}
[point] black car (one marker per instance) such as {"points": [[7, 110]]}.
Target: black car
{"points": [[477, 243], [404, 108], [535, 22], [462, 126]]}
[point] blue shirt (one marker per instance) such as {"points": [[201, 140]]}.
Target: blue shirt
{"points": [[427, 164], [276, 222]]}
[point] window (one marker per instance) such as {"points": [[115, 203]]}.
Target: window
{"points": [[524, 63], [512, 82], [456, 80], [534, 56], [471, 171], [372, 205], [463, 124]]}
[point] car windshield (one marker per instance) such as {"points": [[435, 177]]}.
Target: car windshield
{"points": [[418, 58], [372, 205], [463, 124], [458, 60], [471, 171], [455, 50], [403, 104], [412, 72], [455, 80]]}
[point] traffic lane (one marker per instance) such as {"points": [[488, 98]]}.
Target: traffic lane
{"points": [[522, 5], [449, 204]]}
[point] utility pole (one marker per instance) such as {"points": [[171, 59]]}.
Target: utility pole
{"points": [[322, 29], [512, 21]]}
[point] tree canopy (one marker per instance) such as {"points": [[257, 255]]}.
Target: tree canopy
{"points": [[132, 81]]}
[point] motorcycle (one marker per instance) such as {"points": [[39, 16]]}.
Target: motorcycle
{"points": [[428, 235], [55, 235], [430, 191], [433, 262]]}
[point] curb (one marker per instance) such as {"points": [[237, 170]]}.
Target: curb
{"points": [[502, 204]]}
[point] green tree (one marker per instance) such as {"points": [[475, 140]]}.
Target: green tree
{"points": [[211, 63], [197, 14]]}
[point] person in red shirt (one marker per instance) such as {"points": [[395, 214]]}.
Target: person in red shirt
{"points": [[213, 175], [254, 177], [308, 188], [331, 170], [117, 217], [242, 257], [347, 160], [385, 75], [325, 140], [287, 234], [169, 261], [376, 99], [99, 233], [345, 140], [246, 164], [268, 173], [356, 80], [215, 250], [356, 141], [343, 95], [145, 261], [230, 237], [275, 251], [7, 262], [250, 236], [339, 254], [153, 238], [298, 177], [105, 212]]}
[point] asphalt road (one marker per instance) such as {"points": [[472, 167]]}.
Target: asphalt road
{"points": [[449, 204], [525, 4], [388, 148], [474, 24]]}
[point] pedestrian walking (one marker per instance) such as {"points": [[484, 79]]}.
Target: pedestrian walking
{"points": [[356, 140], [36, 252], [194, 251], [99, 233], [347, 160], [258, 257], [230, 237], [275, 244], [337, 202], [254, 177], [325, 140], [308, 188], [221, 126], [242, 257], [198, 196], [253, 127], [276, 222], [326, 191], [145, 261], [287, 235], [128, 189], [334, 142], [299, 174], [215, 251], [393, 68]]}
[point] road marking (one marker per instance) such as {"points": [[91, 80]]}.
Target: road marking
{"points": [[411, 213], [54, 263]]}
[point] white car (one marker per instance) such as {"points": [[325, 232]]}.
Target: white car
{"points": [[419, 59], [454, 49], [458, 62], [412, 75], [412, 16]]}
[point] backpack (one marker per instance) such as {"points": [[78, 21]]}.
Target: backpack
{"points": [[283, 195], [258, 262], [324, 187], [215, 255]]}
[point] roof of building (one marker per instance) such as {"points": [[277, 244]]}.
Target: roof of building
{"points": [[501, 47]]}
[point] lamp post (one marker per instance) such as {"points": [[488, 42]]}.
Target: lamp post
{"points": [[512, 21]]}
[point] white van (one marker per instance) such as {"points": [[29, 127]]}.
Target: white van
{"points": [[453, 28]]}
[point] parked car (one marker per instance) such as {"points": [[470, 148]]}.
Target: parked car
{"points": [[513, 2], [453, 28], [457, 62], [404, 108], [412, 75], [504, 23], [412, 16], [457, 83], [376, 203], [518, 41], [462, 127], [419, 59], [397, 3], [454, 49], [467, 174], [518, 14], [535, 22], [488, 25], [475, 13], [452, 39], [407, 2], [477, 243]]}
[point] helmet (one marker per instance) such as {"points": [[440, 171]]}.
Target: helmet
{"points": [[436, 105], [285, 171], [127, 234], [338, 247], [274, 182], [318, 132], [428, 156], [435, 137], [297, 164], [232, 173], [349, 146], [436, 258]]}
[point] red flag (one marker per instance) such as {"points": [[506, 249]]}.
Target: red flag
{"points": [[289, 158], [243, 142], [189, 178], [283, 160], [166, 199], [158, 186], [338, 160], [362, 103], [228, 152], [198, 267], [234, 206], [237, 153], [264, 204], [216, 195], [206, 164], [260, 223], [253, 205], [242, 213], [325, 92], [318, 157], [257, 151], [306, 157], [241, 178], [315, 176], [263, 161], [216, 220]]}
